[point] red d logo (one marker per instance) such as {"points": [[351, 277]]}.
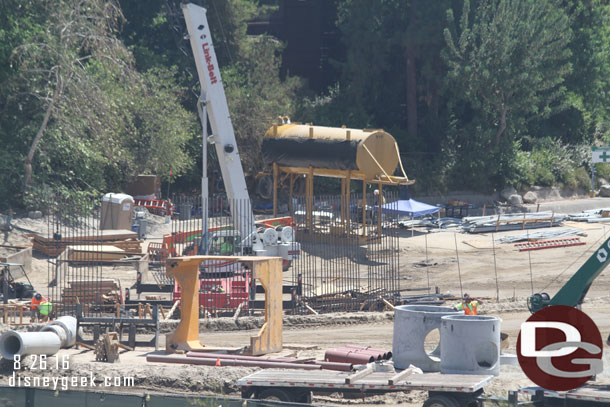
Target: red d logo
{"points": [[560, 348]]}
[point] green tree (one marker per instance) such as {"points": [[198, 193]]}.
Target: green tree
{"points": [[509, 58]]}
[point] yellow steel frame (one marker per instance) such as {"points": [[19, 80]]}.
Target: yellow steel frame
{"points": [[268, 270]]}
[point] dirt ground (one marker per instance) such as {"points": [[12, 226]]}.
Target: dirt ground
{"points": [[498, 274]]}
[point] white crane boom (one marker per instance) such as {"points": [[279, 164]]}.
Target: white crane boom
{"points": [[267, 241], [214, 98]]}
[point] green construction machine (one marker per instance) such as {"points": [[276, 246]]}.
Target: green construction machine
{"points": [[575, 289]]}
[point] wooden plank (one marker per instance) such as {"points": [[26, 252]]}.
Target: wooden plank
{"points": [[313, 311], [359, 375], [125, 347], [171, 311], [399, 376], [84, 345], [387, 303]]}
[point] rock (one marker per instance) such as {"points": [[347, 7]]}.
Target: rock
{"points": [[515, 200], [34, 214], [530, 197], [604, 190], [507, 192]]}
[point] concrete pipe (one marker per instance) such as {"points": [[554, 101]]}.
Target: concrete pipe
{"points": [[470, 344], [65, 328], [25, 343], [412, 323], [60, 333]]}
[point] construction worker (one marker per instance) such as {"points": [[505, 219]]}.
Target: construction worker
{"points": [[35, 305], [226, 248], [468, 305], [45, 309]]}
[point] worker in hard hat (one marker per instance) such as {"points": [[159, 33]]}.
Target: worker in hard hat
{"points": [[468, 305], [37, 299]]}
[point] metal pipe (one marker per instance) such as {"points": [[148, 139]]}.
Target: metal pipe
{"points": [[229, 362], [221, 356], [60, 333], [344, 367], [346, 355], [384, 354], [376, 353]]}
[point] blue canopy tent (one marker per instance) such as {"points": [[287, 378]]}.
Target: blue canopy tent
{"points": [[407, 206]]}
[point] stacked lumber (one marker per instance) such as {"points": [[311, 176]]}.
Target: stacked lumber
{"points": [[103, 291], [125, 240], [95, 254]]}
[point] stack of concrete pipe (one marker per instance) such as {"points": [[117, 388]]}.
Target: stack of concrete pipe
{"points": [[469, 344], [412, 323], [55, 335]]}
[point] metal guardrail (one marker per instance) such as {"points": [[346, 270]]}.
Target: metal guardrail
{"points": [[33, 397]]}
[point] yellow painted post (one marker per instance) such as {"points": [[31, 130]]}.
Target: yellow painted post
{"points": [[186, 272], [275, 175], [291, 187], [348, 183], [343, 203], [268, 270], [309, 199], [270, 336], [364, 208], [379, 203]]}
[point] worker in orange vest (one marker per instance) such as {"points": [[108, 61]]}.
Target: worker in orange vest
{"points": [[468, 305], [40, 307]]}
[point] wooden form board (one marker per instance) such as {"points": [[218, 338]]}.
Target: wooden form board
{"points": [[123, 239]]}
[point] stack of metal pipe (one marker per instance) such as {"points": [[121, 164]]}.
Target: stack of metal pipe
{"points": [[356, 354], [223, 359]]}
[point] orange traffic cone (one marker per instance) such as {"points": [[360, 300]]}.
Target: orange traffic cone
{"points": [[218, 362]]}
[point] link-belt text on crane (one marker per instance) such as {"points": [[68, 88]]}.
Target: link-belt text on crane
{"points": [[208, 61]]}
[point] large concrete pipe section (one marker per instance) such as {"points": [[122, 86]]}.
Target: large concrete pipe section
{"points": [[331, 150], [470, 344], [60, 333], [412, 323]]}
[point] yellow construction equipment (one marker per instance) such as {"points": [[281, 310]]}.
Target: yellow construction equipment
{"points": [[267, 270]]}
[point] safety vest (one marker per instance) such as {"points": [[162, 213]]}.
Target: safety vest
{"points": [[45, 307], [36, 303], [469, 308]]}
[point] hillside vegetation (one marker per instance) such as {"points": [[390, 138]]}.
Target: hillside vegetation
{"points": [[479, 94]]}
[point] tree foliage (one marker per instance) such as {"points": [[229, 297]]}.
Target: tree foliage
{"points": [[478, 93], [511, 60]]}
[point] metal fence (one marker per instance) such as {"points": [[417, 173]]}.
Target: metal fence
{"points": [[75, 246], [349, 251], [226, 284]]}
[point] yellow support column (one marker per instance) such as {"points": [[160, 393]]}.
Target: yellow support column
{"points": [[269, 338], [275, 175], [186, 272], [268, 270], [364, 208]]}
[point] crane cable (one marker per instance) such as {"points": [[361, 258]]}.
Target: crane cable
{"points": [[574, 262]]}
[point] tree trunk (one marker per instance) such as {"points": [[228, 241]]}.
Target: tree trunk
{"points": [[503, 111], [36, 141], [411, 75]]}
